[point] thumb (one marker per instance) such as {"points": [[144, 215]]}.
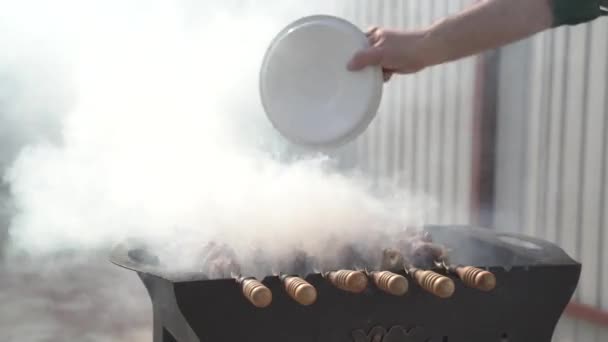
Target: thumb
{"points": [[369, 56]]}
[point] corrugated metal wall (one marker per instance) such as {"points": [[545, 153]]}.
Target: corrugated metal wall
{"points": [[552, 148], [422, 136], [551, 154]]}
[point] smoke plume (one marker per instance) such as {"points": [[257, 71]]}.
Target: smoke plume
{"points": [[141, 119], [164, 140]]}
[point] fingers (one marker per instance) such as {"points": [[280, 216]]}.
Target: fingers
{"points": [[371, 31], [372, 55], [374, 36], [367, 57]]}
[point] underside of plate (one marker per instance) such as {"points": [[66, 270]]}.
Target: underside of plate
{"points": [[307, 92]]}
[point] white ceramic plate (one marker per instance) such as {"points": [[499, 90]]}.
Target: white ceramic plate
{"points": [[307, 92]]}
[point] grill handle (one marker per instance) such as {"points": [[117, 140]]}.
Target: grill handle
{"points": [[476, 278], [435, 283], [351, 281], [300, 290], [256, 292], [390, 282]]}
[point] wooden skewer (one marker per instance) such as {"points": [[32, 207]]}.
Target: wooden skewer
{"points": [[351, 281], [435, 283], [391, 283], [256, 292], [476, 278], [472, 276], [299, 289]]}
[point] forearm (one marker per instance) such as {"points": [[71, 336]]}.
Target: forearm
{"points": [[485, 25]]}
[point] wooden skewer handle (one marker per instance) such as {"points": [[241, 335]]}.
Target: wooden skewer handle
{"points": [[390, 282], [435, 283], [352, 281], [476, 278], [258, 294], [300, 290]]}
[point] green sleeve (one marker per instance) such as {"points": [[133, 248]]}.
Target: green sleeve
{"points": [[573, 12]]}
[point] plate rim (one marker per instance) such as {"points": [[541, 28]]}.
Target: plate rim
{"points": [[371, 111]]}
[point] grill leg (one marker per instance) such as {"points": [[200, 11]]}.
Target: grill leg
{"points": [[160, 333], [157, 326], [167, 337]]}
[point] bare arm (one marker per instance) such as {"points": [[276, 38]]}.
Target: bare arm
{"points": [[484, 26]]}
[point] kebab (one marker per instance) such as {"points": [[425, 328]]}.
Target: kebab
{"points": [[437, 284], [347, 280], [299, 289], [389, 282], [296, 287], [422, 253], [356, 281], [340, 276], [471, 276], [219, 261]]}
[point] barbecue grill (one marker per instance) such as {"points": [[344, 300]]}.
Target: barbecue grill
{"points": [[534, 282]]}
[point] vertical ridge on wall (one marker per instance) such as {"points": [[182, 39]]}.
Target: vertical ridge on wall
{"points": [[408, 108], [543, 133], [551, 186], [403, 96], [449, 133], [586, 133], [432, 117], [413, 109], [421, 136], [386, 130], [571, 140], [420, 114], [589, 218], [529, 207], [600, 42], [442, 130], [372, 11], [465, 88]]}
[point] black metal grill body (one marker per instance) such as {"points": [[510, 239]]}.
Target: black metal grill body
{"points": [[535, 281]]}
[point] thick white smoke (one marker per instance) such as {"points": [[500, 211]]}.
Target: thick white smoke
{"points": [[144, 121], [163, 139]]}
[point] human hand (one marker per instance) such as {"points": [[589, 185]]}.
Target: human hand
{"points": [[400, 52]]}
